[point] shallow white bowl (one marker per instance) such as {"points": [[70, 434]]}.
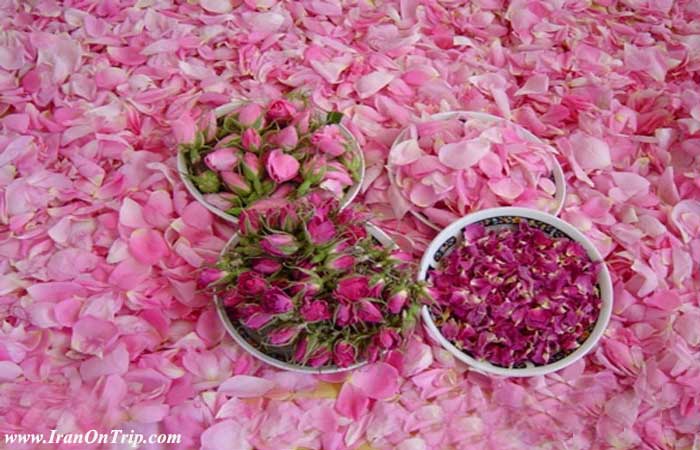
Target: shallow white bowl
{"points": [[557, 172], [449, 237], [373, 230], [230, 107]]}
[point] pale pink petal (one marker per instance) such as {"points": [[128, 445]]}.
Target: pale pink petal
{"points": [[148, 246], [506, 188], [685, 216], [352, 401], [225, 435], [148, 412], [463, 154], [423, 196], [9, 371], [590, 152], [244, 386], [378, 381], [536, 84], [405, 152], [92, 335], [372, 83]]}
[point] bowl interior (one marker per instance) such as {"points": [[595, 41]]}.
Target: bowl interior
{"points": [[243, 335], [557, 175], [451, 237]]}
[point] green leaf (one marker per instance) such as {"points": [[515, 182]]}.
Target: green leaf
{"points": [[198, 140], [334, 117], [195, 156]]}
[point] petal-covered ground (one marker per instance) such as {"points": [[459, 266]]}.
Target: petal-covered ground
{"points": [[103, 326]]}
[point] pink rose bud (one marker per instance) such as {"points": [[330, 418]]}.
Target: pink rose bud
{"points": [[321, 231], [281, 110], [388, 338], [314, 169], [279, 244], [319, 357], [209, 276], [232, 298], [207, 123], [266, 266], [315, 311], [344, 354], [368, 312], [282, 336], [248, 222], [329, 140], [251, 283], [283, 191], [286, 138], [353, 288], [300, 350], [275, 301], [340, 262], [343, 315], [397, 300], [249, 114], [302, 120], [251, 140], [257, 320], [236, 183], [221, 159], [372, 353], [281, 167], [227, 142], [376, 286], [252, 165]]}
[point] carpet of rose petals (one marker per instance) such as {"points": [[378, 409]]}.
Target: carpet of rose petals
{"points": [[102, 326]]}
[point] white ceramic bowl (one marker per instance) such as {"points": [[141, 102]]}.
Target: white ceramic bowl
{"points": [[230, 107], [557, 172], [449, 237], [373, 230]]}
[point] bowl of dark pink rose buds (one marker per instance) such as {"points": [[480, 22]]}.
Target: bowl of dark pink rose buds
{"points": [[515, 292]]}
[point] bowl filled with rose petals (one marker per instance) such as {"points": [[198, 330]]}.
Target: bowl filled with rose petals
{"points": [[515, 292], [249, 153], [457, 162], [315, 289]]}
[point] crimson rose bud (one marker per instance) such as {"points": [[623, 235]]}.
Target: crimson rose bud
{"points": [[344, 354], [275, 301]]}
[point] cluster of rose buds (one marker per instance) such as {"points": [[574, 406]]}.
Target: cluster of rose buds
{"points": [[448, 168], [316, 287], [515, 295], [283, 150]]}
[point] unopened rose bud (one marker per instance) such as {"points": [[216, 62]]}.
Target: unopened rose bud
{"points": [[397, 300], [250, 116], [209, 276], [279, 244], [236, 183], [251, 140]]}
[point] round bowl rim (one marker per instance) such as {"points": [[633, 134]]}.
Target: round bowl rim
{"points": [[222, 110], [604, 282], [557, 170]]}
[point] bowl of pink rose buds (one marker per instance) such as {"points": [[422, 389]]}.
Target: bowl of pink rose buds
{"points": [[283, 150], [515, 292]]}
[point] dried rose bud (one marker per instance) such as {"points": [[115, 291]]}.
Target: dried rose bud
{"points": [[353, 288], [209, 276], [221, 159], [248, 223], [341, 263], [344, 354], [251, 140], [266, 266], [252, 166], [321, 231], [319, 357], [251, 283], [368, 312], [282, 336], [279, 244], [236, 183], [315, 311], [286, 138], [275, 301], [388, 338], [397, 300], [329, 140]]}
